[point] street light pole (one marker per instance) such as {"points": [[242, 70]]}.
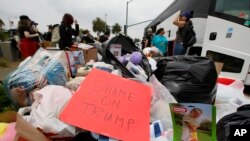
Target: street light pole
{"points": [[126, 26]]}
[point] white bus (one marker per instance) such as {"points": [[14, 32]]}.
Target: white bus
{"points": [[222, 30]]}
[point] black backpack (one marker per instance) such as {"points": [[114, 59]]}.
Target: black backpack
{"points": [[188, 35]]}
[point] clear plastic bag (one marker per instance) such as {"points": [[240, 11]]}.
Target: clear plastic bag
{"points": [[44, 68], [161, 98]]}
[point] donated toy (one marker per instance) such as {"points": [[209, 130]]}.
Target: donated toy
{"points": [[135, 58], [132, 63]]}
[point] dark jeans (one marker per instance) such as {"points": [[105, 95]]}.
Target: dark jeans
{"points": [[179, 49]]}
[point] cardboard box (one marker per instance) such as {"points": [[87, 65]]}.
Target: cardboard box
{"points": [[219, 67], [46, 44], [90, 54]]}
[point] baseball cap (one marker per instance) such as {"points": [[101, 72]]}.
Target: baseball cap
{"points": [[187, 14]]}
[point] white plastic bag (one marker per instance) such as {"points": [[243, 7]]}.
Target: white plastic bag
{"points": [[45, 111], [226, 93], [230, 107], [229, 97]]}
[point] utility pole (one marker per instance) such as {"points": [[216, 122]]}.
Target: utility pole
{"points": [[125, 27]]}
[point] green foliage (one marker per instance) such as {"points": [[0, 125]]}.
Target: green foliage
{"points": [[3, 35], [1, 23], [206, 125], [81, 31], [3, 64], [202, 135], [99, 25], [5, 104], [116, 28]]}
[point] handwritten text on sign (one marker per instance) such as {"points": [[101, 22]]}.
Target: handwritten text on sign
{"points": [[112, 106]]}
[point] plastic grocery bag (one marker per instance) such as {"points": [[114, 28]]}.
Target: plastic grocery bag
{"points": [[44, 68], [228, 89], [46, 108]]}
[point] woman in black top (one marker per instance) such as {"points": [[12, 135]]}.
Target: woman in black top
{"points": [[66, 31]]}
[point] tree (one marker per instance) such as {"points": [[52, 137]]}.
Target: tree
{"points": [[3, 34], [81, 32], [116, 28], [1, 24], [99, 25]]}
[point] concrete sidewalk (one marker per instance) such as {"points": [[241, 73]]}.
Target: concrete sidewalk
{"points": [[5, 71]]}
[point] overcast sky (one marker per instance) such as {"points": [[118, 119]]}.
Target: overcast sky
{"points": [[47, 12]]}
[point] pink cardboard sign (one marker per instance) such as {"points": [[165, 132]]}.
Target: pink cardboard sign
{"points": [[112, 106]]}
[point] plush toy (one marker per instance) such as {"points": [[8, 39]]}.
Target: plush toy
{"points": [[135, 58]]}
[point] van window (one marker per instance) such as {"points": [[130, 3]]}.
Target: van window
{"points": [[235, 8], [231, 64]]}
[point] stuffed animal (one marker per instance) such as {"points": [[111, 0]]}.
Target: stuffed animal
{"points": [[135, 58]]}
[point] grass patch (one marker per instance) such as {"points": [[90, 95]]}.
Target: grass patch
{"points": [[3, 64], [5, 104]]}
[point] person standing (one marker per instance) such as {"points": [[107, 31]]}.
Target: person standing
{"points": [[149, 38], [34, 30], [160, 41], [143, 43], [104, 37], [66, 31], [28, 43], [182, 22], [48, 35], [87, 37]]}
